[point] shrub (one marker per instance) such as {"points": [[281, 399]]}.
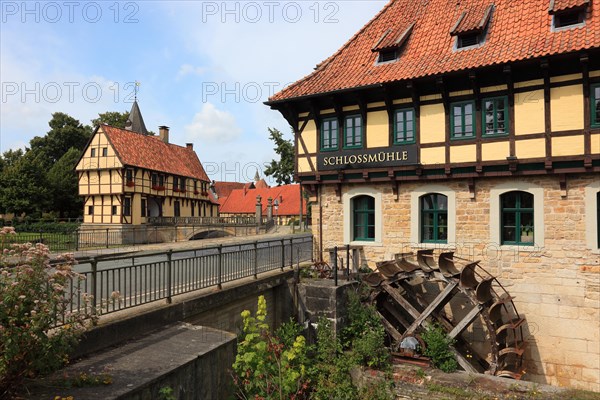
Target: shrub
{"points": [[32, 295], [265, 368], [364, 333], [438, 348]]}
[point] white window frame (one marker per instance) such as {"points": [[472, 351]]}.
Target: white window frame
{"points": [[538, 214], [591, 217], [349, 215], [415, 216]]}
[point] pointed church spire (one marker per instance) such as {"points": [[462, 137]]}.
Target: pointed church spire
{"points": [[256, 176], [135, 122]]}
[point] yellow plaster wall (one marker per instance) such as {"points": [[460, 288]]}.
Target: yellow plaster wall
{"points": [[402, 101], [461, 93], [433, 123], [303, 115], [327, 111], [564, 78], [532, 148], [566, 107], [596, 144], [376, 104], [433, 155], [495, 151], [567, 145], [350, 108], [465, 153], [529, 112], [489, 89], [309, 135], [377, 129], [303, 165], [594, 74], [534, 82], [431, 97]]}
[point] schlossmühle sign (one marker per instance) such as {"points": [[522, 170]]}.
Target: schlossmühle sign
{"points": [[368, 158]]}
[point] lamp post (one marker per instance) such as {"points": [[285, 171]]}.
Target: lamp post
{"points": [[276, 204]]}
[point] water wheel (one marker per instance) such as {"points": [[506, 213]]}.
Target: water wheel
{"points": [[415, 290]]}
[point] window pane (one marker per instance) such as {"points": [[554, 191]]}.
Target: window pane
{"points": [[526, 200], [597, 109], [442, 202], [428, 219], [427, 202], [509, 219], [508, 234], [468, 109], [527, 220], [509, 200], [427, 233]]}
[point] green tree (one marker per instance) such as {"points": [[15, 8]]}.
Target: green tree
{"points": [[24, 187], [282, 170], [112, 118], [65, 132], [64, 186]]}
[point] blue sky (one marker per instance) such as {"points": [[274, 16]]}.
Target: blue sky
{"points": [[205, 67]]}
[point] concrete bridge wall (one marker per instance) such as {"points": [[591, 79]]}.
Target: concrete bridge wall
{"points": [[218, 309]]}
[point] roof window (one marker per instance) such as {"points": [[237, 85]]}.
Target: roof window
{"points": [[389, 44], [471, 27], [568, 13]]}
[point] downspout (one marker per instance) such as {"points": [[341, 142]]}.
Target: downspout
{"points": [[320, 223]]}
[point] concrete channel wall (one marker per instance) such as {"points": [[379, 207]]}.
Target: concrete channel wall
{"points": [[187, 347]]}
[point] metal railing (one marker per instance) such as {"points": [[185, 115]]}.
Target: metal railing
{"points": [[199, 221], [117, 283]]}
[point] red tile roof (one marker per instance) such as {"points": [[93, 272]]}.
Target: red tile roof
{"points": [[223, 189], [473, 20], [562, 5], [242, 201], [518, 30], [394, 38], [149, 152]]}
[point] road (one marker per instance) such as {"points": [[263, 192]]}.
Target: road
{"points": [[129, 280]]}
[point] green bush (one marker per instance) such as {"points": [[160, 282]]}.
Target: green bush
{"points": [[364, 333], [32, 295], [438, 348], [264, 367]]}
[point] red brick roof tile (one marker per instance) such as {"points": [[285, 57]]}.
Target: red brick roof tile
{"points": [[474, 19], [518, 30], [223, 189], [242, 201], [149, 152], [562, 5]]}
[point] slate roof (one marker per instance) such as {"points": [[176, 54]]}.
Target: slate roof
{"points": [[517, 30], [135, 122], [149, 152], [242, 201]]}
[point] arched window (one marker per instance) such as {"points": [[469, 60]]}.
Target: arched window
{"points": [[363, 214], [517, 223], [434, 218]]}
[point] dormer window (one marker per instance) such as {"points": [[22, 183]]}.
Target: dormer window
{"points": [[567, 14], [471, 27], [468, 40], [387, 56], [390, 43], [568, 18]]}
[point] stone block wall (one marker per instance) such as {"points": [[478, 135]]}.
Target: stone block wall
{"points": [[555, 285]]}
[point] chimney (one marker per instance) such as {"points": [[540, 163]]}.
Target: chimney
{"points": [[190, 146], [163, 133]]}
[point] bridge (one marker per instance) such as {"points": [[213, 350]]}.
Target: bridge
{"points": [[172, 229]]}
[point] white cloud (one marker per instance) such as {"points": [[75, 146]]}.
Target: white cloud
{"points": [[188, 69], [213, 125]]}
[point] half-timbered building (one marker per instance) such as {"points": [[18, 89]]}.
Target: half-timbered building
{"points": [[127, 176], [474, 126]]}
